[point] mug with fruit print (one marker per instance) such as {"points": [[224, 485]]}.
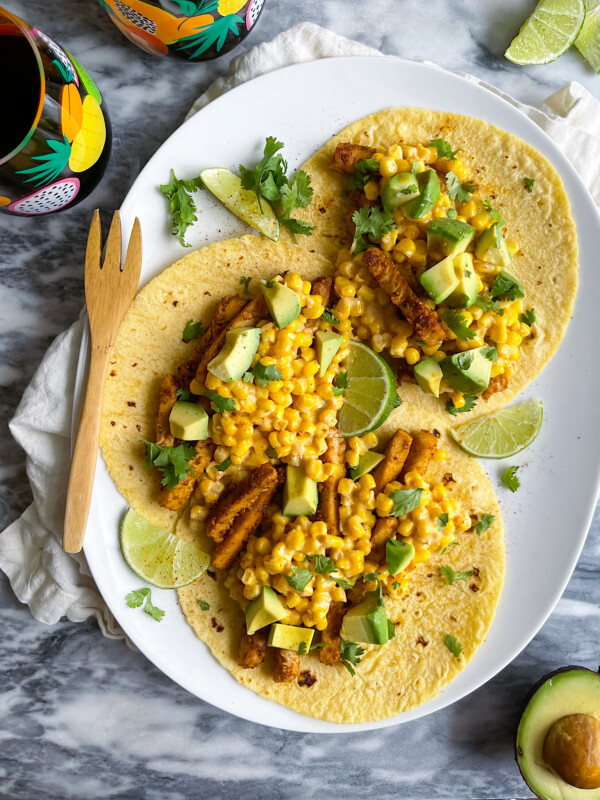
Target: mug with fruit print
{"points": [[54, 129], [193, 30]]}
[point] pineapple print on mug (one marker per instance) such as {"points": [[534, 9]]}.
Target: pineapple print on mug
{"points": [[193, 30]]}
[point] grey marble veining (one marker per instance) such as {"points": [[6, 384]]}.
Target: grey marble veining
{"points": [[85, 717]]}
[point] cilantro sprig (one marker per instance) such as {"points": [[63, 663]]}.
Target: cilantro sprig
{"points": [[469, 405], [221, 404], [350, 655], [192, 330], [457, 190], [405, 500], [340, 383], [506, 287], [484, 523], [362, 172], [245, 282], [450, 575], [510, 479], [327, 316], [204, 606], [444, 148], [442, 520], [264, 375], [173, 462], [453, 645], [181, 204], [487, 304], [528, 184], [528, 317], [138, 596], [372, 222], [457, 323], [299, 579]]}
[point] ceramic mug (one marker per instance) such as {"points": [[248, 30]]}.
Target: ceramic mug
{"points": [[192, 30], [55, 133]]}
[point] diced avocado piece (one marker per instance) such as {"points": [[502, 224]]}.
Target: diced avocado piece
{"points": [[491, 247], [188, 421], [283, 303], [398, 555], [366, 463], [449, 236], [263, 610], [467, 290], [327, 345], [429, 376], [440, 280], [468, 372], [399, 190], [367, 621], [300, 493], [429, 194], [236, 355], [290, 637]]}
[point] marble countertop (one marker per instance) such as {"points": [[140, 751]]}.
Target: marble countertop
{"points": [[82, 716]]}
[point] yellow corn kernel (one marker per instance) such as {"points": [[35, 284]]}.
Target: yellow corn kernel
{"points": [[412, 355], [407, 247], [371, 190], [468, 209], [439, 455], [458, 400], [513, 247], [460, 170], [480, 221], [388, 240], [388, 167], [383, 504], [345, 487]]}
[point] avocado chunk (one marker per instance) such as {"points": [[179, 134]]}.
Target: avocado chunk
{"points": [[188, 421], [449, 236], [429, 376], [491, 247], [366, 463], [290, 637], [398, 555], [367, 621], [236, 355], [283, 303], [263, 610], [429, 194], [300, 493], [468, 372], [558, 738], [399, 190], [467, 290], [327, 345], [440, 280]]}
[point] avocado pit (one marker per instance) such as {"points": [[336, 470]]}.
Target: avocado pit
{"points": [[572, 750]]}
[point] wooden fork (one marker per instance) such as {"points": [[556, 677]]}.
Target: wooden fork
{"points": [[109, 290]]}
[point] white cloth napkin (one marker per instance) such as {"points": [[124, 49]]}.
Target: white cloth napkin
{"points": [[55, 584]]}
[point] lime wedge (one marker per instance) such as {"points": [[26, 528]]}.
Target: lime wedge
{"points": [[159, 557], [548, 32], [501, 434], [371, 393], [588, 41], [227, 188]]}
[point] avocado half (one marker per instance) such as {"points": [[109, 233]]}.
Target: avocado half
{"points": [[571, 696]]}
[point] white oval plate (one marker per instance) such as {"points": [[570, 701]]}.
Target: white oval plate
{"points": [[546, 520]]}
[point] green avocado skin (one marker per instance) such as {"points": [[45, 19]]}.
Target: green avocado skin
{"points": [[473, 378], [449, 236], [429, 194]]}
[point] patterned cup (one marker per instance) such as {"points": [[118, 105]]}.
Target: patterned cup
{"points": [[55, 133], [193, 30]]}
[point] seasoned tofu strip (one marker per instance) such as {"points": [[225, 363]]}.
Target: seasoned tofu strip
{"points": [[322, 287], [166, 401], [287, 666], [384, 529], [423, 320], [252, 649], [240, 497], [328, 510], [424, 445], [356, 593], [497, 384], [174, 498], [347, 156], [330, 654], [395, 455]]}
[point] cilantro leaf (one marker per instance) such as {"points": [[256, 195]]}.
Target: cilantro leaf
{"points": [[528, 317], [181, 204], [453, 645], [248, 377], [192, 330], [470, 400], [484, 523], [340, 382], [457, 190], [362, 172], [245, 282], [371, 576], [490, 353], [316, 645], [342, 583], [322, 565], [302, 648], [155, 612], [304, 192], [171, 461], [452, 544], [452, 213], [203, 605], [296, 226], [486, 304], [528, 184], [136, 598], [510, 480], [225, 464], [350, 654], [299, 579], [271, 452], [458, 324], [506, 287], [327, 316], [495, 215], [372, 222], [182, 395], [442, 520], [264, 375], [396, 585], [221, 404], [444, 149], [452, 576], [405, 500]]}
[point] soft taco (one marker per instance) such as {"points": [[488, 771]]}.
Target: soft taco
{"points": [[455, 249]]}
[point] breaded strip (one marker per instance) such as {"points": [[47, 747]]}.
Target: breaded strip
{"points": [[322, 287], [497, 384], [395, 455], [384, 529], [166, 401], [252, 649], [287, 666], [347, 156], [423, 320], [329, 504], [424, 445], [330, 654], [240, 497], [174, 498], [357, 592], [225, 311]]}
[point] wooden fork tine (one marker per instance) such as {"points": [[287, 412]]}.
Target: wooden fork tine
{"points": [[133, 259], [93, 251], [112, 257]]}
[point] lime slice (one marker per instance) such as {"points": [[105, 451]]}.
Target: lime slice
{"points": [[501, 434], [227, 188], [588, 41], [159, 557], [371, 393], [548, 32]]}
